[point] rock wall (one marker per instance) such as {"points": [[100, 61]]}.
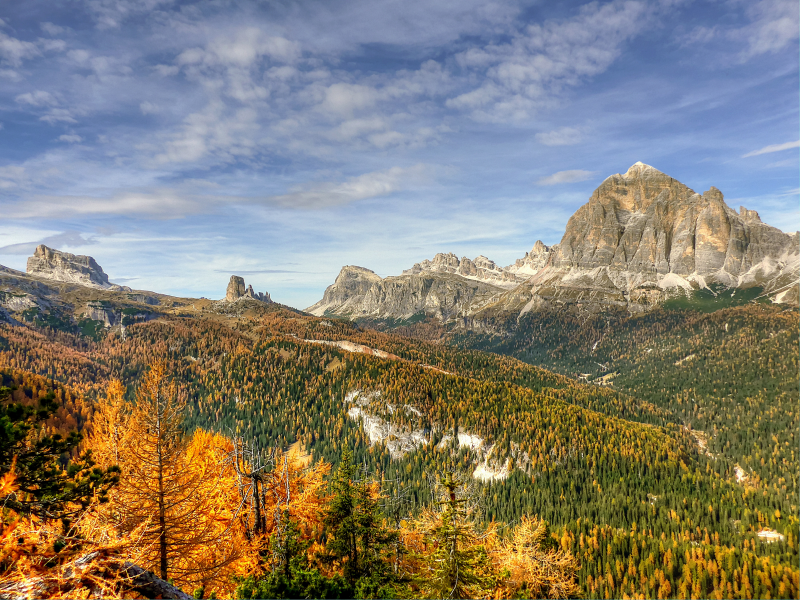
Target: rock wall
{"points": [[62, 266]]}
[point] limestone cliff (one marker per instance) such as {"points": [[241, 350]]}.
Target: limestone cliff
{"points": [[63, 266], [360, 293], [345, 294], [480, 269], [533, 261], [644, 236]]}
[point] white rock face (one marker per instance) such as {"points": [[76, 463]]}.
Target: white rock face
{"points": [[533, 261], [399, 441], [367, 406], [479, 269], [71, 268]]}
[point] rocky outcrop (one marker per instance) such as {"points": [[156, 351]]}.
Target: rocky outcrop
{"points": [[644, 236], [71, 268], [101, 311], [359, 293], [236, 291], [533, 261], [480, 269], [96, 574], [346, 293]]}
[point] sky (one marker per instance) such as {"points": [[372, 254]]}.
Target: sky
{"points": [[179, 143]]}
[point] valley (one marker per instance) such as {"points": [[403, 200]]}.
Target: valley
{"points": [[635, 389]]}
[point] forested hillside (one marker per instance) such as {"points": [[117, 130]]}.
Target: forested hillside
{"points": [[625, 478]]}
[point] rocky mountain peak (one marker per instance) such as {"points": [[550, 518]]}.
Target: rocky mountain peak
{"points": [[533, 261], [539, 248], [49, 263], [237, 290], [479, 269], [749, 215]]}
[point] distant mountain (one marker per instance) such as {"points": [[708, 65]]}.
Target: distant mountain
{"points": [[642, 239], [72, 293], [63, 266]]}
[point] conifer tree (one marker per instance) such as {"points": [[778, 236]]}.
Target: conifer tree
{"points": [[44, 488], [458, 564], [357, 536], [173, 491]]}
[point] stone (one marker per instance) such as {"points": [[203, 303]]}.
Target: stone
{"points": [[642, 238]]}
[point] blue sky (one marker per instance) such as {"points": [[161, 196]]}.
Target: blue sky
{"points": [[181, 142]]}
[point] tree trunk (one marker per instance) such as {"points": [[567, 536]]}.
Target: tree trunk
{"points": [[162, 516]]}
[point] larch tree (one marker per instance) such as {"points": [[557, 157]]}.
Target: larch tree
{"points": [[175, 491]]}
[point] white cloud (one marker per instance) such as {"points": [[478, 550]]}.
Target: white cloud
{"points": [[775, 25], [566, 136], [52, 28], [346, 98], [14, 51], [12, 176], [58, 115], [772, 148], [368, 185], [110, 14], [148, 108], [242, 50], [70, 138], [542, 59], [213, 131], [160, 204], [68, 239], [566, 177], [37, 98]]}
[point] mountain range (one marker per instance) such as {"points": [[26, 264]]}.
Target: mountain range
{"points": [[642, 239]]}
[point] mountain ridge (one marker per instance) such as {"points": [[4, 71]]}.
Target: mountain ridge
{"points": [[642, 238]]}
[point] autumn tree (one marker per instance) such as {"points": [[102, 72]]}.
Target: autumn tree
{"points": [[45, 487], [175, 491], [457, 564], [536, 568]]}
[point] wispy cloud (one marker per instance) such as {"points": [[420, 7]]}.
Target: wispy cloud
{"points": [[368, 185], [572, 176], [772, 148], [566, 136], [68, 239]]}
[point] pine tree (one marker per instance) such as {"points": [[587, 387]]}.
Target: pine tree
{"points": [[44, 488], [458, 564], [173, 491], [358, 539]]}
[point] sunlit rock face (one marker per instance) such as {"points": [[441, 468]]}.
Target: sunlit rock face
{"points": [[236, 290], [647, 222], [480, 269], [53, 264]]}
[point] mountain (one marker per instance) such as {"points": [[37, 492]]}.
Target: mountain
{"points": [[63, 266], [73, 294], [642, 239], [481, 269], [360, 293], [236, 291], [660, 471]]}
